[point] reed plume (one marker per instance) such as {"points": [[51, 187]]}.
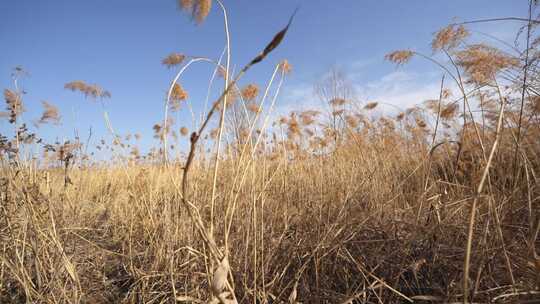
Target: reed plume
{"points": [[92, 90], [285, 66], [199, 9], [50, 113], [250, 92], [173, 59], [371, 105], [449, 37], [399, 57], [482, 63]]}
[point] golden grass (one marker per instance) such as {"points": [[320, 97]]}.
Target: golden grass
{"points": [[433, 203], [321, 221]]}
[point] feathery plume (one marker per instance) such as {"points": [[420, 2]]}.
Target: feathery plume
{"points": [[199, 9], [449, 37], [371, 105], [352, 121], [203, 10], [285, 66], [77, 85], [178, 94], [482, 62], [214, 133], [173, 60], [336, 102], [50, 113], [449, 111], [250, 92], [386, 123], [14, 105], [421, 123], [157, 129], [92, 90], [534, 104], [337, 112], [446, 93], [253, 107], [399, 57], [307, 117], [186, 4], [293, 126]]}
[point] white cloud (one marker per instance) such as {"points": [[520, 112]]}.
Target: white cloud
{"points": [[297, 98], [400, 88]]}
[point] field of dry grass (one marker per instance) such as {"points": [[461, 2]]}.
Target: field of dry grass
{"points": [[435, 204]]}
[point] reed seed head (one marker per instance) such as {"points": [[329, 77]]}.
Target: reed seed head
{"points": [[50, 113], [173, 60], [199, 9], [14, 105], [178, 93], [337, 102], [371, 105], [449, 37], [250, 92], [449, 111], [400, 57], [92, 90], [352, 121], [253, 107], [285, 67], [482, 62]]}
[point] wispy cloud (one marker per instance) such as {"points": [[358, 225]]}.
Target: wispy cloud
{"points": [[399, 88], [297, 98]]}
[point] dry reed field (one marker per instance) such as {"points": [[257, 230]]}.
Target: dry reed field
{"points": [[438, 203]]}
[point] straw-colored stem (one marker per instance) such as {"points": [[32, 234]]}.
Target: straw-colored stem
{"points": [[468, 249]]}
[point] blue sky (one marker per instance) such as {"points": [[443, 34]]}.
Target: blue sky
{"points": [[119, 44]]}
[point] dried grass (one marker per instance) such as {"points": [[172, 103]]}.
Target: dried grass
{"points": [[343, 207]]}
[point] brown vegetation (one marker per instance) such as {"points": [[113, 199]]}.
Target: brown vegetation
{"points": [[435, 203]]}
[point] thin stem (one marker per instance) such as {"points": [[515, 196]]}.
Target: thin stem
{"points": [[230, 211], [499, 19], [523, 89], [168, 100], [221, 123], [466, 264], [432, 145]]}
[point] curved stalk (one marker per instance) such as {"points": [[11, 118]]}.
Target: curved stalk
{"points": [[221, 123]]}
